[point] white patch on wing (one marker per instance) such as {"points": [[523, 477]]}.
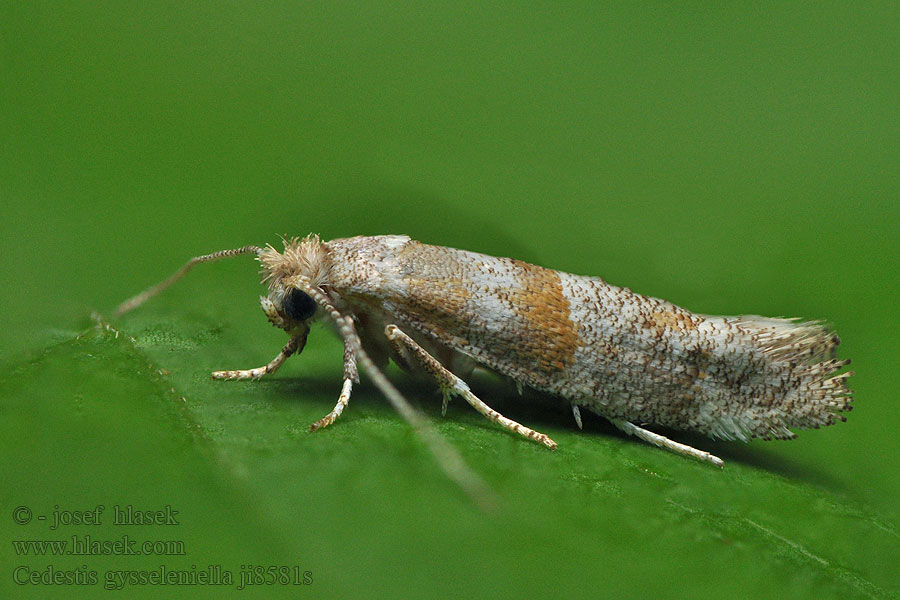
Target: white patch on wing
{"points": [[392, 242], [491, 277]]}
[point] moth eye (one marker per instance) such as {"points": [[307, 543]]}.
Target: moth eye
{"points": [[298, 306]]}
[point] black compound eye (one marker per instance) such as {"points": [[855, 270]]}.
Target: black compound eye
{"points": [[298, 306]]}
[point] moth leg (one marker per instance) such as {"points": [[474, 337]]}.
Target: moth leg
{"points": [[295, 344], [445, 402], [576, 412], [451, 384], [664, 442], [351, 374]]}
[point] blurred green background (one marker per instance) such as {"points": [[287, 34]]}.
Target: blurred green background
{"points": [[731, 159]]}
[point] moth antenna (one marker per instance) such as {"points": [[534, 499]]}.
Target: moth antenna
{"points": [[139, 299], [447, 457]]}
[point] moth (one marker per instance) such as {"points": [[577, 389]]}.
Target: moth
{"points": [[638, 361]]}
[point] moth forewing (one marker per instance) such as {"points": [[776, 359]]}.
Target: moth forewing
{"points": [[628, 357]]}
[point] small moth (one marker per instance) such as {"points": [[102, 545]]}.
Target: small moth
{"points": [[635, 360]]}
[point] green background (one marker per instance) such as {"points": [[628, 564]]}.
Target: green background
{"points": [[731, 159]]}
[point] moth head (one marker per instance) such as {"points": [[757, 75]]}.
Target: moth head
{"points": [[290, 275]]}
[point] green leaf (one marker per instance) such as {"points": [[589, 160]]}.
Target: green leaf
{"points": [[110, 419]]}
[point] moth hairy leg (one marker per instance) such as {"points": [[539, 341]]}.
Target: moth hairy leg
{"points": [[449, 460], [295, 344], [576, 412], [351, 375], [450, 383], [664, 442], [342, 402]]}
